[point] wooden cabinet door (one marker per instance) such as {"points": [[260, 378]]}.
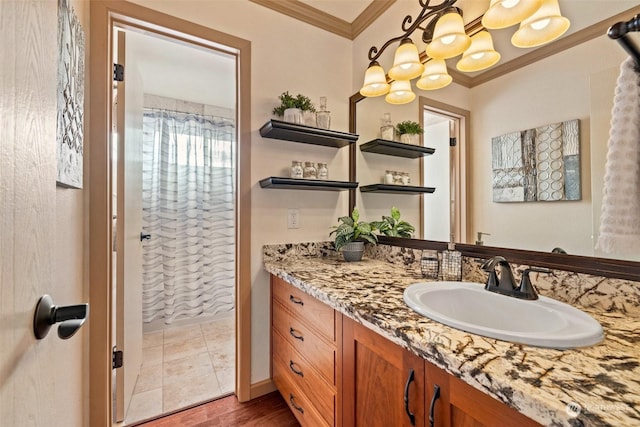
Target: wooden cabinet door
{"points": [[379, 376], [461, 405]]}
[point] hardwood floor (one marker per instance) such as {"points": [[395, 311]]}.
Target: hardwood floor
{"points": [[266, 411]]}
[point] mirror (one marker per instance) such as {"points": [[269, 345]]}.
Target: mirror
{"points": [[577, 83]]}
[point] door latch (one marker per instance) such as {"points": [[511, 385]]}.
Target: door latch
{"points": [[117, 358]]}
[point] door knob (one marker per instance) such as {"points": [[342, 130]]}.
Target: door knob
{"points": [[70, 318], [144, 236]]}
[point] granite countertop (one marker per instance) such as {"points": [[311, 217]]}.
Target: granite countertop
{"points": [[603, 379]]}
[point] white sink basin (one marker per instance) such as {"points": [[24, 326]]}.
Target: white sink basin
{"points": [[468, 306]]}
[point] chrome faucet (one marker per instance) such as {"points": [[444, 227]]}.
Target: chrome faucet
{"points": [[501, 279]]}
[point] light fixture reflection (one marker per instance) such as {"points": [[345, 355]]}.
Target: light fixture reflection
{"points": [[400, 92], [435, 75], [406, 63], [545, 25], [480, 54], [375, 81], [505, 13], [449, 37]]}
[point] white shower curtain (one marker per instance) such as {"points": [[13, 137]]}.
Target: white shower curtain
{"points": [[189, 210]]}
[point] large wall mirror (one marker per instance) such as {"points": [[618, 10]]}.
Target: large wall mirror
{"points": [[575, 83]]}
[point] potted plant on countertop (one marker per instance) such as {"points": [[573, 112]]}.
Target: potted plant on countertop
{"points": [[291, 107], [351, 235], [392, 226], [410, 132]]}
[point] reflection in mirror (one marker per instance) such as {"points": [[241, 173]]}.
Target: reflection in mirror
{"points": [[576, 83]]}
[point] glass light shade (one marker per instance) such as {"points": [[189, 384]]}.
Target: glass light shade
{"points": [[406, 63], [542, 27], [400, 92], [480, 54], [449, 38], [375, 81], [505, 13], [435, 75]]}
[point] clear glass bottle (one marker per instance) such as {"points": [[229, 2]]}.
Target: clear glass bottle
{"points": [[310, 171], [387, 130], [388, 177], [296, 169], [323, 171], [323, 117], [397, 178]]}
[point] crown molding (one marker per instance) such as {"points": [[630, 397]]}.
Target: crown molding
{"points": [[305, 13]]}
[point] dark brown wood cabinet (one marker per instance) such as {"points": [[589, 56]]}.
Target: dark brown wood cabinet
{"points": [[461, 405], [306, 358], [333, 371], [383, 383]]}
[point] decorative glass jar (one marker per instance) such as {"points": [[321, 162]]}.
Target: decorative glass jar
{"points": [[323, 117], [310, 171], [296, 169], [323, 171]]}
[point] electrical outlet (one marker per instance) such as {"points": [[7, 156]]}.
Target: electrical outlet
{"points": [[293, 218]]}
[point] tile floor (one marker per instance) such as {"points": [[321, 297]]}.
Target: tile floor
{"points": [[182, 366]]}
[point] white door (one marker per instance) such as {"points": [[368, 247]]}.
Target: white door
{"points": [[128, 188], [41, 381]]}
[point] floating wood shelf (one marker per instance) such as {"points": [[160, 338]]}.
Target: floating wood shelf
{"points": [[398, 149], [396, 189], [277, 129], [306, 184]]}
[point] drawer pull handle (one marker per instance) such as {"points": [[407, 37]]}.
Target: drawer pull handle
{"points": [[296, 334], [411, 415], [296, 300], [436, 396], [293, 404], [294, 370]]}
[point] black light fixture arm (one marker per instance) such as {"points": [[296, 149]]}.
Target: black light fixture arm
{"points": [[428, 11]]}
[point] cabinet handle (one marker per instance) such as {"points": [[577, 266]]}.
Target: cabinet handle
{"points": [[294, 370], [432, 407], [296, 334], [410, 414], [293, 404], [295, 300]]}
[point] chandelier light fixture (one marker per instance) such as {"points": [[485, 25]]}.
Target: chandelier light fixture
{"points": [[445, 37]]}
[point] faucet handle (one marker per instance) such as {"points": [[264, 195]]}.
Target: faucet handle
{"points": [[490, 264], [526, 288]]}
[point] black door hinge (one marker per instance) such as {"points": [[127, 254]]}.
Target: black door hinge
{"points": [[453, 142], [118, 72], [117, 359]]}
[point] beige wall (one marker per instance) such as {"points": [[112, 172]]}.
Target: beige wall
{"points": [[548, 91], [294, 56]]}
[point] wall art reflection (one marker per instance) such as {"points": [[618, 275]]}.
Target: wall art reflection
{"points": [[540, 164], [70, 102]]}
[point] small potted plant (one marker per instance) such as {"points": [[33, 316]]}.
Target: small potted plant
{"points": [[392, 226], [410, 132], [292, 107], [351, 235]]}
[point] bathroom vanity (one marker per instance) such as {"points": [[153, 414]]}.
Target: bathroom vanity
{"points": [[346, 350]]}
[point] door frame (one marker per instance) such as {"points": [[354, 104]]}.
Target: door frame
{"points": [[459, 173], [104, 15]]}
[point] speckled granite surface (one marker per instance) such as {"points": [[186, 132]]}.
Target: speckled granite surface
{"points": [[603, 379]]}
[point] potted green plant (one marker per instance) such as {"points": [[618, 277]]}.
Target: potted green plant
{"points": [[351, 235], [409, 131], [392, 226], [292, 107]]}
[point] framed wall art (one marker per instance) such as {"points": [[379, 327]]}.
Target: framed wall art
{"points": [[539, 164], [70, 98]]}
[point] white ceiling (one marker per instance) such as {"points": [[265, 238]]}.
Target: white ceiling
{"points": [[347, 10], [182, 71]]}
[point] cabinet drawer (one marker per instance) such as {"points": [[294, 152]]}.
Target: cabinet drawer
{"points": [[299, 372], [317, 314], [303, 410], [298, 335]]}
